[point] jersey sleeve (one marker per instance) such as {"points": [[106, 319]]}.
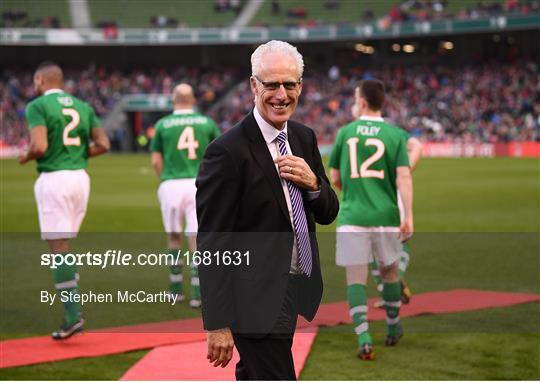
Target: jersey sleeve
{"points": [[335, 155], [403, 155], [156, 145], [95, 121], [34, 115]]}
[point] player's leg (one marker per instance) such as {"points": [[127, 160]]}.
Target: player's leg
{"points": [[66, 282], [358, 307], [61, 211], [353, 251], [190, 212], [174, 244], [404, 259], [387, 249], [406, 293], [195, 301], [376, 274], [392, 302], [170, 213]]}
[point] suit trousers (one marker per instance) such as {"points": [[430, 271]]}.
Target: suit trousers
{"points": [[270, 357]]}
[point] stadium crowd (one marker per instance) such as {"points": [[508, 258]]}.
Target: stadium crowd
{"points": [[488, 103], [103, 88], [408, 11]]}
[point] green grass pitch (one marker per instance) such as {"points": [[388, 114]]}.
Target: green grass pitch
{"points": [[477, 226]]}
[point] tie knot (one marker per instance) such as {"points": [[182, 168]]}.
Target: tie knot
{"points": [[282, 137]]}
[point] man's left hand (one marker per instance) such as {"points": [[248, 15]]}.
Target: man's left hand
{"points": [[23, 158], [296, 170]]}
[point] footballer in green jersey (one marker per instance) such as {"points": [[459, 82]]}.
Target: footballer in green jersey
{"points": [[180, 140], [64, 132], [370, 164]]}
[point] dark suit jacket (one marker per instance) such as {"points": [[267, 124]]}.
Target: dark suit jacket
{"points": [[241, 205]]}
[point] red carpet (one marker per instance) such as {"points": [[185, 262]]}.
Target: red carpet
{"points": [[188, 362], [453, 301], [28, 351], [34, 350]]}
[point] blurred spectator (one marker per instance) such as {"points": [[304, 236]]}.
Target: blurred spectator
{"points": [[20, 19], [368, 15], [297, 12], [276, 9], [332, 4]]}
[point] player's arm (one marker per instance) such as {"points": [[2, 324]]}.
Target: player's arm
{"points": [[38, 144], [405, 189], [335, 177], [157, 162], [334, 161], [414, 149], [100, 142]]}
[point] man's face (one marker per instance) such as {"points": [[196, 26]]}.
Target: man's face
{"points": [[276, 105]]}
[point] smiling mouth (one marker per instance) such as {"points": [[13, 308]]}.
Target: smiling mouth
{"points": [[280, 106]]}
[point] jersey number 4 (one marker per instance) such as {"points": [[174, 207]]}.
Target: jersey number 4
{"points": [[365, 172], [187, 141]]}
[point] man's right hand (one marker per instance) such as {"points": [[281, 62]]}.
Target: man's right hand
{"points": [[220, 346], [406, 229]]}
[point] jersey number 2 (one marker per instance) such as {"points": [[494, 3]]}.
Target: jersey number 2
{"points": [[365, 172], [75, 119], [187, 141]]}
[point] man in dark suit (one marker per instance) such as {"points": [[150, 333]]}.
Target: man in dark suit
{"points": [[261, 189]]}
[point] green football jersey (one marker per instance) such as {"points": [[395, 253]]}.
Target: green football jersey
{"points": [[69, 122], [182, 139], [367, 153]]}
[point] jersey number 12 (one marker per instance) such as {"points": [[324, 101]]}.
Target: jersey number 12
{"points": [[365, 172]]}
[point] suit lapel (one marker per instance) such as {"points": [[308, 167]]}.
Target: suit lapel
{"points": [[259, 149]]}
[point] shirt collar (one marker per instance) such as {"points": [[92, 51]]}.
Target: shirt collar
{"points": [[51, 91], [370, 118], [268, 131], [183, 111]]}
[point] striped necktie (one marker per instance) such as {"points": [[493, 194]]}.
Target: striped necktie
{"points": [[299, 216]]}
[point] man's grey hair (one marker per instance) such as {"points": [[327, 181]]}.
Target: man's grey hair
{"points": [[275, 46]]}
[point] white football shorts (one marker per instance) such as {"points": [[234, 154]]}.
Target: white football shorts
{"points": [[357, 245], [62, 198], [177, 200]]}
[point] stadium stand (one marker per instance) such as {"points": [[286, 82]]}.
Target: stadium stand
{"points": [[221, 13], [103, 88], [35, 14], [488, 103], [310, 13], [164, 13]]}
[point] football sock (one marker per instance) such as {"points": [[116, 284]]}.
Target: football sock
{"points": [[357, 298], [195, 289], [404, 260], [176, 273], [392, 302], [66, 279], [376, 275]]}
